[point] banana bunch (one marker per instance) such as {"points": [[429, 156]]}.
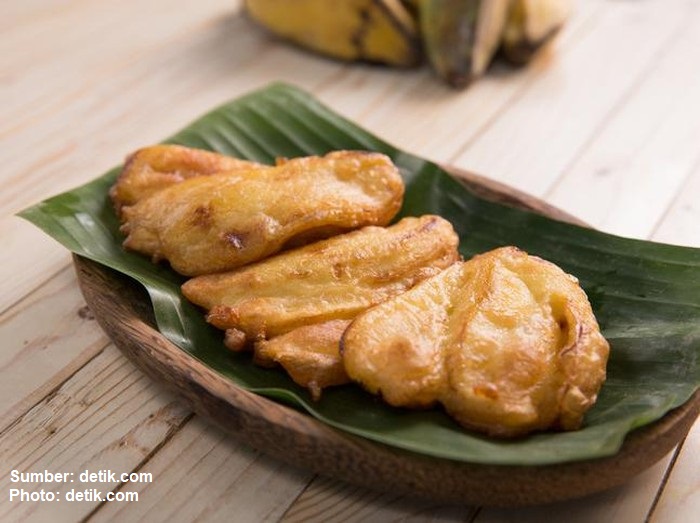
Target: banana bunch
{"points": [[459, 38]]}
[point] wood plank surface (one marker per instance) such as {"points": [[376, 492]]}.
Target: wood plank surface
{"points": [[605, 125], [64, 343], [649, 148], [443, 121], [630, 502], [332, 501], [680, 500], [202, 474], [569, 104], [108, 416], [22, 269], [679, 223]]}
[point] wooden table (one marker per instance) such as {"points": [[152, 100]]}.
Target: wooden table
{"points": [[606, 127]]}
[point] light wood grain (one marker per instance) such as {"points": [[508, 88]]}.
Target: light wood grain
{"points": [[679, 224], [19, 13], [23, 269], [442, 121], [331, 501], [630, 502], [634, 168], [202, 474], [80, 26], [680, 500], [93, 422], [531, 143], [65, 341]]}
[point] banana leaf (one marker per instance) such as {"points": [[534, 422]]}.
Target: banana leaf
{"points": [[645, 295]]}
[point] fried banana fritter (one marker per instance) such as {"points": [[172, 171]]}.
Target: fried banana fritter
{"points": [[331, 279], [506, 342], [310, 355], [208, 224], [154, 168]]}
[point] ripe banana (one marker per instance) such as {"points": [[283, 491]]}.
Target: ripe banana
{"points": [[380, 31], [461, 36], [530, 25]]}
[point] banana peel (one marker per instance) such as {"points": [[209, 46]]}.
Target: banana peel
{"points": [[381, 31], [530, 25]]}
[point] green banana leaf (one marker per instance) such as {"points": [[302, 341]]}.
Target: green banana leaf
{"points": [[646, 295]]}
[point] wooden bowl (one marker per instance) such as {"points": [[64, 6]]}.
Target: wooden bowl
{"points": [[123, 309]]}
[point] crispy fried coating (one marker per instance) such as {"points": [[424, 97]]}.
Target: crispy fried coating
{"points": [[310, 355], [506, 342], [331, 279], [154, 168], [208, 224]]}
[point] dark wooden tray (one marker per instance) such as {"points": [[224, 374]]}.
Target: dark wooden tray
{"points": [[123, 309]]}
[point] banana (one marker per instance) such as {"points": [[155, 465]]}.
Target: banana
{"points": [[461, 36], [530, 25], [381, 31]]}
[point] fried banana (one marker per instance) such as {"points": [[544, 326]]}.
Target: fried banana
{"points": [[328, 280], [154, 168], [310, 355], [208, 224], [506, 342]]}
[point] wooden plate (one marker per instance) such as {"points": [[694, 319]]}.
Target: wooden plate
{"points": [[123, 309]]}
